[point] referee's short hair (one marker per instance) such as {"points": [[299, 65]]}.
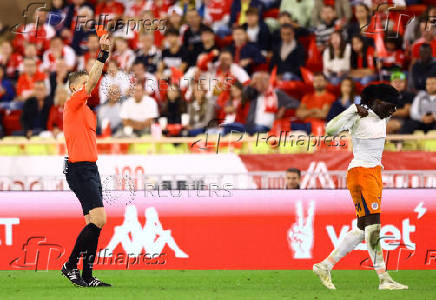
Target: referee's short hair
{"points": [[72, 77]]}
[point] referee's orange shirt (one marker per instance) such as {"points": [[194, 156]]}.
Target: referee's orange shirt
{"points": [[79, 128]]}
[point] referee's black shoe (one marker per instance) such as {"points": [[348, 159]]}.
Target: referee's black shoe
{"points": [[95, 282], [73, 275]]}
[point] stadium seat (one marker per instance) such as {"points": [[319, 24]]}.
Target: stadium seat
{"points": [[12, 150], [410, 146], [40, 149], [142, 148], [166, 148], [389, 146], [430, 145], [420, 143], [11, 121]]}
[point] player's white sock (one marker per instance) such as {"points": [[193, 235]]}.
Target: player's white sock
{"points": [[350, 241], [372, 238]]}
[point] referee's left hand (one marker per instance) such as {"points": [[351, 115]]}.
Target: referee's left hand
{"points": [[105, 42]]}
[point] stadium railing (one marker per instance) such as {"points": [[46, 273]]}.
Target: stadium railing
{"points": [[239, 144]]}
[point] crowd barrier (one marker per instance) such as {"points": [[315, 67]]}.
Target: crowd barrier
{"points": [[285, 142], [224, 229]]}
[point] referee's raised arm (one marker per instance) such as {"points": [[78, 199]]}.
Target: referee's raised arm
{"points": [[97, 68]]}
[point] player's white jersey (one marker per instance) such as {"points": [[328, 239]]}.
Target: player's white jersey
{"points": [[368, 136]]}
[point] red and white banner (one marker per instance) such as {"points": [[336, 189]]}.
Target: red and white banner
{"points": [[337, 160], [323, 169], [224, 229]]}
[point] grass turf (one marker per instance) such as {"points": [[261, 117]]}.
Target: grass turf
{"points": [[215, 285]]}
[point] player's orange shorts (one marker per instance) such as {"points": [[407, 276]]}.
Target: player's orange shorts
{"points": [[365, 186]]}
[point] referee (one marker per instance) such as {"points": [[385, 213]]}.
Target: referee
{"points": [[81, 168]]}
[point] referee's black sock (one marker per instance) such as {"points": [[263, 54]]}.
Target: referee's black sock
{"points": [[91, 252], [86, 237]]}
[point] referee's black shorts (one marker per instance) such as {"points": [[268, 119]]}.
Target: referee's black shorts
{"points": [[84, 180]]}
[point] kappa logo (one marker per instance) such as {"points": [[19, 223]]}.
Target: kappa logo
{"points": [[300, 235], [317, 170], [134, 238]]}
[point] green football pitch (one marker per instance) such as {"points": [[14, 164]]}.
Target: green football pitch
{"points": [[215, 285]]}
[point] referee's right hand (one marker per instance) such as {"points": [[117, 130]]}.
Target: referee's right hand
{"points": [[105, 42]]}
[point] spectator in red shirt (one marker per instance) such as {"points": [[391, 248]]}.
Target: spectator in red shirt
{"points": [[216, 15], [315, 106], [30, 75], [38, 33], [55, 117], [428, 36], [93, 48], [30, 52], [123, 55], [175, 18], [112, 9], [362, 61], [395, 59], [9, 60], [236, 111], [58, 51]]}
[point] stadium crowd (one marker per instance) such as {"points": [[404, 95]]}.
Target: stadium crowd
{"points": [[218, 65]]}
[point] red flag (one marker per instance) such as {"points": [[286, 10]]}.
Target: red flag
{"points": [[378, 31], [176, 74], [307, 75], [271, 101], [380, 45], [99, 29]]}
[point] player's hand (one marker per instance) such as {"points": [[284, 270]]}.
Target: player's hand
{"points": [[105, 42], [361, 111]]}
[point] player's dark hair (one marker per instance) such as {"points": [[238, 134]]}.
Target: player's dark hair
{"points": [[73, 76], [294, 170], [383, 92]]}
